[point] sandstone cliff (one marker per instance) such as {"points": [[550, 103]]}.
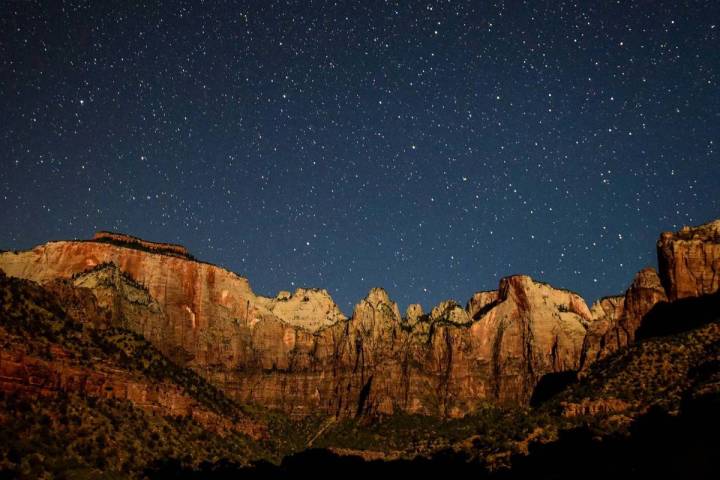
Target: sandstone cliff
{"points": [[311, 309], [689, 266], [298, 353], [689, 260], [616, 319]]}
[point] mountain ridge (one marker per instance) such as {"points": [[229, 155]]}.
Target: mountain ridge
{"points": [[529, 356]]}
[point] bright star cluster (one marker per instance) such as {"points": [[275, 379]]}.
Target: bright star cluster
{"points": [[427, 147]]}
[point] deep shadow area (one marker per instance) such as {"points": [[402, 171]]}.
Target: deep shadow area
{"points": [[550, 385], [659, 445], [668, 318]]}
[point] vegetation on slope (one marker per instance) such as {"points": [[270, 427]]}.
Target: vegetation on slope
{"points": [[32, 317], [72, 436], [68, 435], [664, 366]]}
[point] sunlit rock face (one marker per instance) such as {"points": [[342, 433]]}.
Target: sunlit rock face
{"points": [[534, 329], [689, 260], [309, 308], [414, 313], [480, 302], [604, 335], [689, 266], [616, 319], [297, 352]]}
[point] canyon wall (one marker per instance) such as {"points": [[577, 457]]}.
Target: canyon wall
{"points": [[297, 352], [689, 266]]}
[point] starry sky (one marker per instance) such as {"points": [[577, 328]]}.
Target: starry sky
{"points": [[430, 148]]}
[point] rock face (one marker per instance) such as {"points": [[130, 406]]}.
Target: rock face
{"points": [[480, 303], [604, 335], [689, 261], [298, 353], [414, 313], [533, 329], [450, 311], [616, 319], [51, 346], [311, 309], [689, 266]]}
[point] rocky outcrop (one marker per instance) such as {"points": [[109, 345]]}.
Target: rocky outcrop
{"points": [[689, 261], [450, 311], [534, 329], [376, 362], [480, 303], [644, 292], [617, 319], [604, 335], [138, 243], [689, 266], [414, 313], [126, 303], [311, 309]]}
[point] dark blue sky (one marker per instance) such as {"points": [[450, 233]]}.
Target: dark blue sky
{"points": [[426, 147]]}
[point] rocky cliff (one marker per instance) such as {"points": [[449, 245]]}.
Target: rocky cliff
{"points": [[297, 352], [689, 260], [616, 319], [689, 266], [122, 337]]}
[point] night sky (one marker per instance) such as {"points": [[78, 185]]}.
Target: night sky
{"points": [[430, 148]]}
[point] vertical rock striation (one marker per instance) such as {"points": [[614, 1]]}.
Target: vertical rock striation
{"points": [[616, 319], [689, 261]]}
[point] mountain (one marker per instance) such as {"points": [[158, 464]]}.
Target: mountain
{"points": [[298, 353], [205, 371]]}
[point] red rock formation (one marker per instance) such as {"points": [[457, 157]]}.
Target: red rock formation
{"points": [[689, 266], [277, 353], [534, 329], [298, 353], [480, 303], [616, 319], [689, 261]]}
